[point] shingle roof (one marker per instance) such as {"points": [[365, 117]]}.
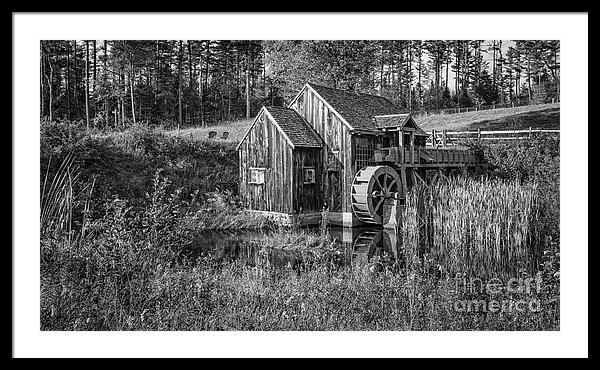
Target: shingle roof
{"points": [[295, 127], [396, 120], [358, 109]]}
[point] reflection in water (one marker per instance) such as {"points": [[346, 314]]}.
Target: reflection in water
{"points": [[352, 245], [366, 244]]}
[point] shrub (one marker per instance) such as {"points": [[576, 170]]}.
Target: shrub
{"points": [[528, 162]]}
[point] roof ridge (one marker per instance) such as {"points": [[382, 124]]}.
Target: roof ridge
{"points": [[277, 106], [392, 115], [294, 126], [360, 93]]}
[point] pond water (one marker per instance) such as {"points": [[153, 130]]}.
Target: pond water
{"points": [[345, 246]]}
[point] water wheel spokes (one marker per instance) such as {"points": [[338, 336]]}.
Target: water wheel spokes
{"points": [[371, 187]]}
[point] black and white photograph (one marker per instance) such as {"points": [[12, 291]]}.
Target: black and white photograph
{"points": [[375, 187]]}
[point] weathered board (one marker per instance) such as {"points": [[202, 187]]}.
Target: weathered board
{"points": [[338, 153], [265, 147], [308, 197]]}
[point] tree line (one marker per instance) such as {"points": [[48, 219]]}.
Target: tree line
{"points": [[110, 84]]}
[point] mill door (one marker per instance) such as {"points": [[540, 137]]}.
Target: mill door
{"points": [[334, 194]]}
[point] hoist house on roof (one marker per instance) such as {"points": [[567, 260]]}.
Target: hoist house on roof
{"points": [[346, 151]]}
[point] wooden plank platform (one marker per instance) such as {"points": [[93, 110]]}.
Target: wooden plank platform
{"points": [[427, 157]]}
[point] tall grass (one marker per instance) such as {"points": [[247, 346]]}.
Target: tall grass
{"points": [[531, 161], [485, 228], [61, 195], [129, 273]]}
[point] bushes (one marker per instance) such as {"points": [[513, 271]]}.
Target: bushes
{"points": [[124, 163], [531, 161], [97, 278]]}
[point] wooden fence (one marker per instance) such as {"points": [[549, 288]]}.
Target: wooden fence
{"points": [[430, 112], [450, 138], [425, 113]]}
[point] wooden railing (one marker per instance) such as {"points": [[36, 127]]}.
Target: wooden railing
{"points": [[444, 138], [426, 156]]}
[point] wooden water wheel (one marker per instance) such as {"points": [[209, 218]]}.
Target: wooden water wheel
{"points": [[365, 244], [371, 187]]}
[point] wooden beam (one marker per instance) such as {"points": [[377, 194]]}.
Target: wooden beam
{"points": [[403, 179], [440, 165], [414, 175], [412, 147]]}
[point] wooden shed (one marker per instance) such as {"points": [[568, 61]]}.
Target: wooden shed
{"points": [[280, 163], [324, 148]]}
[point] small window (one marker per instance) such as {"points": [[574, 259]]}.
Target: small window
{"points": [[309, 175], [257, 176]]}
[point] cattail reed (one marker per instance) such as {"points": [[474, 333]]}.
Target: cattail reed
{"points": [[485, 228], [57, 198]]}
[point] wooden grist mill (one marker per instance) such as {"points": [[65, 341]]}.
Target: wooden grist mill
{"points": [[401, 159], [353, 154]]}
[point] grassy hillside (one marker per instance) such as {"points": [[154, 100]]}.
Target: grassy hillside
{"points": [[543, 116], [236, 130], [123, 164]]}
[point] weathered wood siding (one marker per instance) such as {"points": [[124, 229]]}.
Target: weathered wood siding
{"points": [[337, 154], [307, 197], [265, 147]]}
